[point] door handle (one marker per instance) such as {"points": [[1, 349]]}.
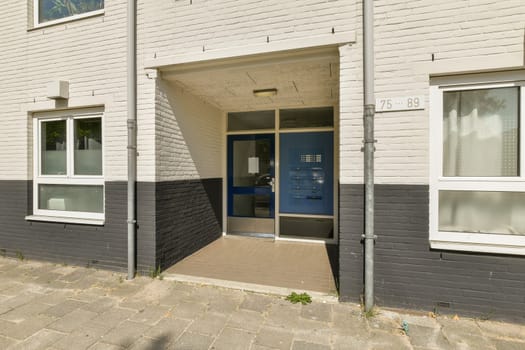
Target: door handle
{"points": [[272, 183]]}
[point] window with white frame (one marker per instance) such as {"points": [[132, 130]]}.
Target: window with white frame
{"points": [[50, 11], [477, 179], [68, 154]]}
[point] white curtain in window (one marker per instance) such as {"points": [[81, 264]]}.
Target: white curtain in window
{"points": [[480, 133]]}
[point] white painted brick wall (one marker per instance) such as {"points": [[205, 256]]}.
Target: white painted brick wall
{"points": [[406, 35], [176, 28], [190, 136], [89, 53]]}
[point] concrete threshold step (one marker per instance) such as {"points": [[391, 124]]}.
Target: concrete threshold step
{"points": [[250, 287]]}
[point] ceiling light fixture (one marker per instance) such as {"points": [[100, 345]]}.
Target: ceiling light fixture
{"points": [[265, 92]]}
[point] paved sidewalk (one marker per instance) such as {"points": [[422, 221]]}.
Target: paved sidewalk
{"points": [[47, 306]]}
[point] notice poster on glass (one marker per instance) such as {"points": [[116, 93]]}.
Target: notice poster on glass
{"points": [[306, 175]]}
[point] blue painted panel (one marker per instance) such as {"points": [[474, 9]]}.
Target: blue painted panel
{"points": [[307, 173]]}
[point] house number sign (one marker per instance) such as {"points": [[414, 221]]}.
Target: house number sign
{"points": [[407, 103]]}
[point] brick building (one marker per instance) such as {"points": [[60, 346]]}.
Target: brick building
{"points": [[250, 121]]}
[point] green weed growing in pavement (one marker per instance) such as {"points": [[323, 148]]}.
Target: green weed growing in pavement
{"points": [[19, 255], [154, 273], [3, 252], [373, 312], [302, 298]]}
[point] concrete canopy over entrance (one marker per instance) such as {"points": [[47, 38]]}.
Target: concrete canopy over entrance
{"points": [[305, 78]]}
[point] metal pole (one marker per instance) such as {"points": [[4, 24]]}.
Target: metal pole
{"points": [[132, 134], [369, 148]]}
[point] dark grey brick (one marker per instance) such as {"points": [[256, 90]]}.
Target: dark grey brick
{"points": [[409, 274]]}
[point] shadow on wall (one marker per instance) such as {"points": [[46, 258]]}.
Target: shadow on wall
{"points": [[332, 251], [189, 193], [191, 138]]}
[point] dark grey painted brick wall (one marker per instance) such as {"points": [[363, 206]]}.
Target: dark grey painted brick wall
{"points": [[146, 235], [188, 217], [100, 246], [410, 274]]}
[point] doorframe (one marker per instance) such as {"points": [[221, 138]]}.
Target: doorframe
{"points": [[276, 131]]}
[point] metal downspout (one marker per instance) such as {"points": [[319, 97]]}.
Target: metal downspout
{"points": [[132, 135], [369, 148]]}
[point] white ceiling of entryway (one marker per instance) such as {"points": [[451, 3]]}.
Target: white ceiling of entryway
{"points": [[301, 80]]}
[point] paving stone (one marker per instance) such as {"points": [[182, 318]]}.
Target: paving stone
{"points": [[203, 294], [122, 290], [503, 344], [188, 310], [55, 297], [380, 340], [260, 347], [188, 288], [113, 317], [317, 312], [256, 302], [313, 335], [190, 316], [6, 342], [347, 342], [283, 314], [26, 328], [500, 329], [125, 334], [72, 321], [64, 308], [145, 343], [380, 322], [105, 346], [47, 278], [151, 293], [465, 334], [18, 300], [301, 345], [224, 304], [421, 336], [81, 338], [171, 328], [85, 282], [173, 297], [211, 324], [100, 305], [233, 339], [151, 314], [423, 320], [25, 311], [192, 341], [39, 340], [246, 319], [350, 321], [274, 338]]}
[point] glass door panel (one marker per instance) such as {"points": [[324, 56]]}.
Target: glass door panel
{"points": [[251, 177]]}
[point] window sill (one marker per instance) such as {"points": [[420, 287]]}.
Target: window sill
{"points": [[478, 247], [58, 219], [67, 19]]}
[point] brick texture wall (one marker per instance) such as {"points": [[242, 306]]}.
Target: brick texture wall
{"points": [[409, 274]]}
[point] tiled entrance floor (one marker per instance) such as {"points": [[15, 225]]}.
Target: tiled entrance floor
{"points": [[301, 266]]}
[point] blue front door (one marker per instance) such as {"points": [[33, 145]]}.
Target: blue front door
{"points": [[251, 177]]}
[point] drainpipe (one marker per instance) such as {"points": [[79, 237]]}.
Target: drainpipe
{"points": [[369, 148], [132, 134]]}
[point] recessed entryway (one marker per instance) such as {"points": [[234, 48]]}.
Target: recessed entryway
{"points": [[295, 265], [280, 173]]}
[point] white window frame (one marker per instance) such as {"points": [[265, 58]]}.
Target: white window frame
{"points": [[36, 16], [464, 241], [69, 178]]}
